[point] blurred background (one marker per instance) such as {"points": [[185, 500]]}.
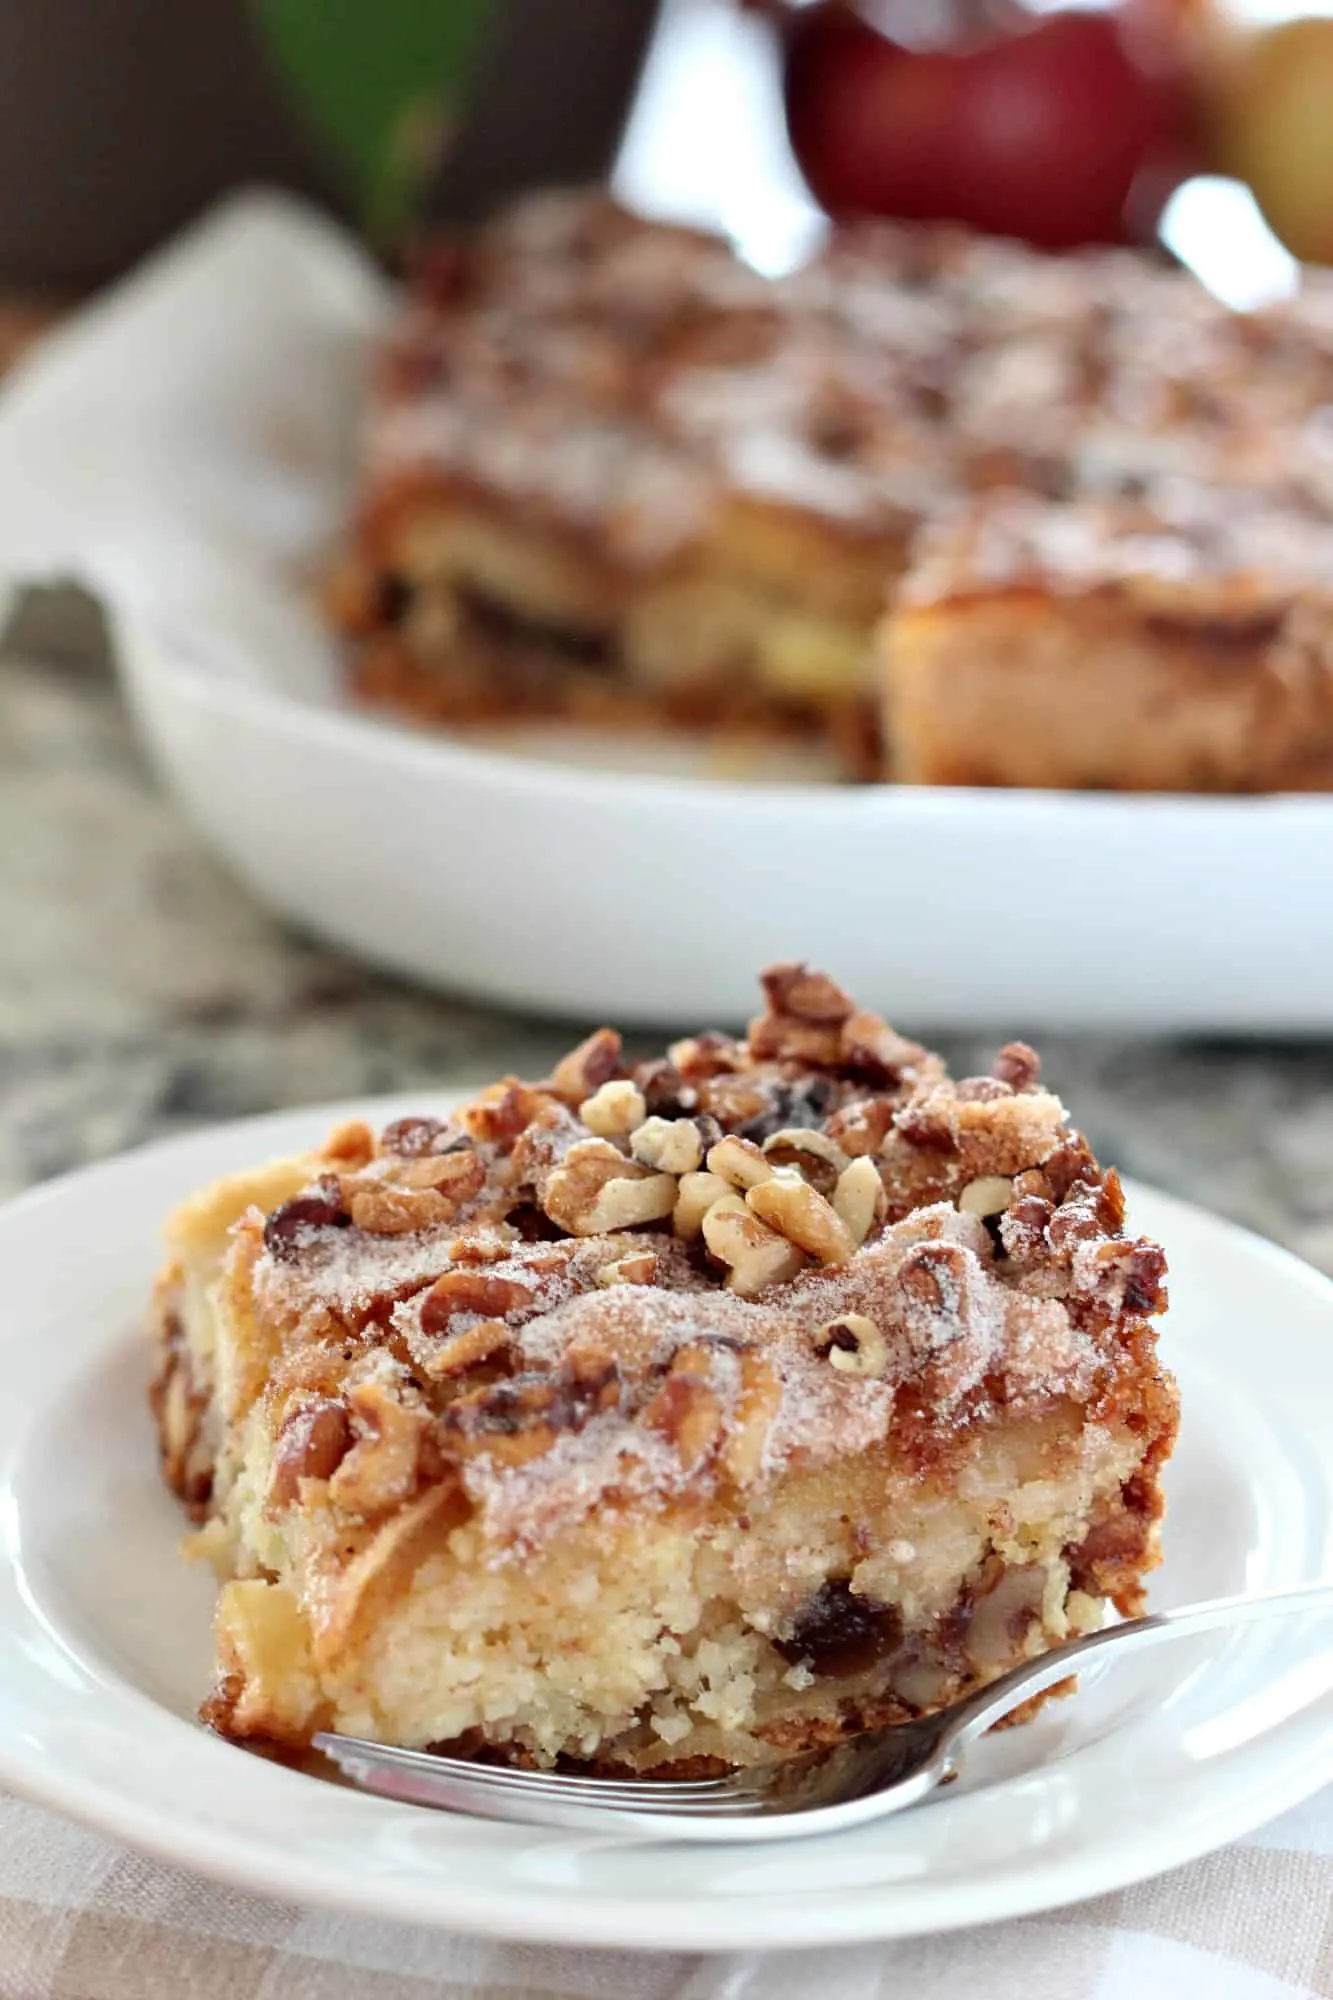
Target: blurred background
{"points": [[141, 989], [1200, 126]]}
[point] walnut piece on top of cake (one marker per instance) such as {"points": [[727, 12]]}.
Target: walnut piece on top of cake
{"points": [[666, 1414]]}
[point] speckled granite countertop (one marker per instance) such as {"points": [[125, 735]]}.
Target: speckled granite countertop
{"points": [[142, 992]]}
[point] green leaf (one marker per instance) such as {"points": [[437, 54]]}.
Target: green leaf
{"points": [[382, 84]]}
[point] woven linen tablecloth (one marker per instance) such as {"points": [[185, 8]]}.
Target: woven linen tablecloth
{"points": [[81, 1919], [142, 992]]}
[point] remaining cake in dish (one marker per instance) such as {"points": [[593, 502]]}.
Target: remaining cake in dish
{"points": [[1180, 646], [613, 475], [680, 1412]]}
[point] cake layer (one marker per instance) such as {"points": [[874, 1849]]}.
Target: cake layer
{"points": [[666, 1414], [612, 473], [1182, 646]]}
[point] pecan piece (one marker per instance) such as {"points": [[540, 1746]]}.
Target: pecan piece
{"points": [[806, 995], [586, 1068], [471, 1291], [392, 1211], [414, 1137], [458, 1175], [312, 1444], [292, 1225], [875, 1053], [1018, 1066], [485, 1340], [380, 1471], [351, 1146]]}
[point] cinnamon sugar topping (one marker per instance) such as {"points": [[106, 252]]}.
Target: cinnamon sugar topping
{"points": [[674, 1326]]}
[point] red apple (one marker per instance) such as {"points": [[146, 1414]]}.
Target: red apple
{"points": [[1038, 128]]}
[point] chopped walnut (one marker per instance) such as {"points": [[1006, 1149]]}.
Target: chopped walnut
{"points": [[700, 1057], [519, 1419], [413, 1137], [1023, 1227], [803, 1216], [614, 1110], [814, 1155], [981, 1090], [863, 1125], [990, 1195], [638, 1267], [665, 1091], [670, 1145], [858, 1197], [853, 1344], [785, 1038], [739, 1162], [928, 1122], [505, 1111], [696, 1195], [293, 1223], [585, 1069], [594, 1193], [757, 1255]]}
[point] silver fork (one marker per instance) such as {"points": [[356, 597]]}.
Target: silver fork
{"points": [[868, 1777]]}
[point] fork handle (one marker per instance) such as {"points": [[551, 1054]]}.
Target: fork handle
{"points": [[974, 1716]]}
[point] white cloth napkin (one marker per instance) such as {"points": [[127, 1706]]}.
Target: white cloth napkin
{"points": [[81, 1919], [184, 446]]}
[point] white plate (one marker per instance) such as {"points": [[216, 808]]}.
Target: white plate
{"points": [[104, 1647], [186, 448]]}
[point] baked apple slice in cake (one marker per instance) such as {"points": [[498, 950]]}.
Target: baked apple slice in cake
{"points": [[671, 1413]]}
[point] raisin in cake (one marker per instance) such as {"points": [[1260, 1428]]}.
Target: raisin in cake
{"points": [[612, 475], [666, 1414]]}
